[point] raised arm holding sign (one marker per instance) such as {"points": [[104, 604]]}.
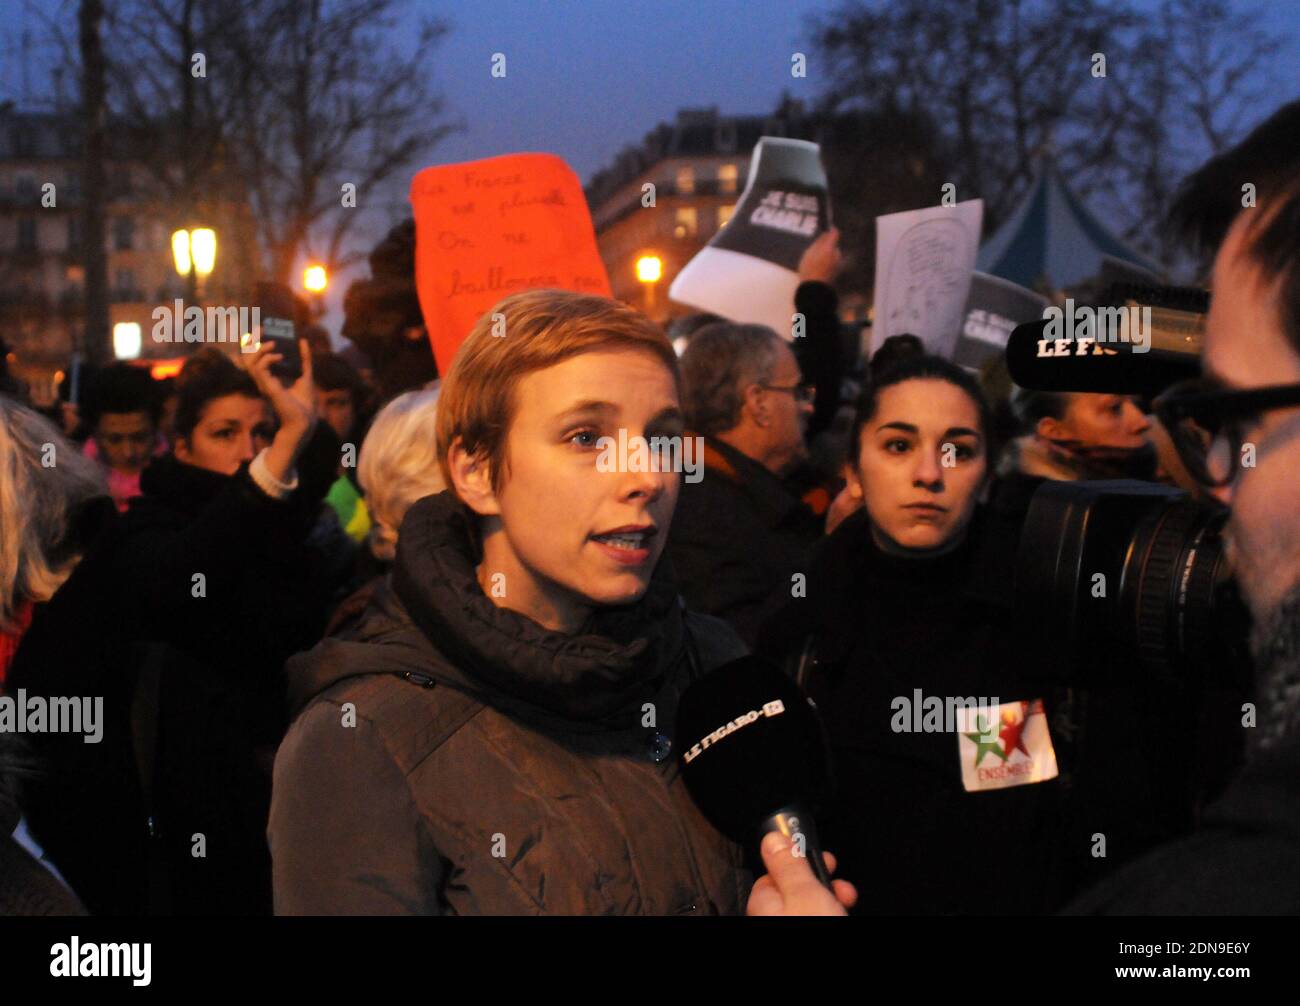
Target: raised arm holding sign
{"points": [[748, 272]]}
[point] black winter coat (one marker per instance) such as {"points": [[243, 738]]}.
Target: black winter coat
{"points": [[26, 886], [738, 535], [454, 757], [875, 628], [182, 620], [1244, 858]]}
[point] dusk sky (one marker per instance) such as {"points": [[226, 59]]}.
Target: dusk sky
{"points": [[585, 78]]}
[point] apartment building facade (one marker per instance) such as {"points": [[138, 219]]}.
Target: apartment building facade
{"points": [[695, 169], [42, 258]]}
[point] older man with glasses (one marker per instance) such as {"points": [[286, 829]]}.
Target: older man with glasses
{"points": [[740, 533]]}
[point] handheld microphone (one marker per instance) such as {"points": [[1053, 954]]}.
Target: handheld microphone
{"points": [[1041, 363], [753, 755]]}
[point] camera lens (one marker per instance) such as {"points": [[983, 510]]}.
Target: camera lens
{"points": [[1129, 573]]}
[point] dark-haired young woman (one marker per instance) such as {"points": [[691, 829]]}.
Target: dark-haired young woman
{"points": [[948, 789], [965, 785], [182, 621]]}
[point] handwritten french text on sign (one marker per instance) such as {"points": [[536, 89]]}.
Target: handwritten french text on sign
{"points": [[924, 261], [487, 229]]}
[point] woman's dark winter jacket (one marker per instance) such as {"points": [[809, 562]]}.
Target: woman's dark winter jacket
{"points": [[454, 757], [182, 621], [872, 629]]}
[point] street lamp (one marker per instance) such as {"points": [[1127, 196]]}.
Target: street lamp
{"points": [[195, 254], [649, 269], [181, 252], [203, 250], [315, 279], [126, 340]]}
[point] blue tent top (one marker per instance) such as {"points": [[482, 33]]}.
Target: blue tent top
{"points": [[1051, 234]]}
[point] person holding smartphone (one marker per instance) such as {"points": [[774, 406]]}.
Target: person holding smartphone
{"points": [[182, 620]]}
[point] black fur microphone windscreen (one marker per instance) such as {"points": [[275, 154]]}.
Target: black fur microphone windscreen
{"points": [[749, 743]]}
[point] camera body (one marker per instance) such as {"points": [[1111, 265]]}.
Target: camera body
{"points": [[1124, 576]]}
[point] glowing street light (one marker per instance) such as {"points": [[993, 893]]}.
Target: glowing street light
{"points": [[195, 254], [203, 250], [649, 269], [126, 340], [315, 279], [181, 252]]}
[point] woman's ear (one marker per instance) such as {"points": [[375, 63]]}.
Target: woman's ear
{"points": [[182, 449], [471, 478], [851, 480], [1049, 428]]}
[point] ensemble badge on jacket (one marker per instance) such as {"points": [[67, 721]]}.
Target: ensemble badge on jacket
{"points": [[1004, 745]]}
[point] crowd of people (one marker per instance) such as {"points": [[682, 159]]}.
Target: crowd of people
{"points": [[364, 650]]}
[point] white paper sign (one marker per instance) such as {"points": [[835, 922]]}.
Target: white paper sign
{"points": [[924, 262]]}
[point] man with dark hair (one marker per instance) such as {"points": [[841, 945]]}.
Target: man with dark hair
{"points": [[340, 394], [1245, 448], [739, 533], [121, 414], [382, 317]]}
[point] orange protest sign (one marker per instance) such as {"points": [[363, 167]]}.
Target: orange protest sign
{"points": [[487, 229]]}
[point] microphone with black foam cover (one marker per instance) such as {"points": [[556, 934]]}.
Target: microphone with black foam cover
{"points": [[1041, 363], [753, 755]]}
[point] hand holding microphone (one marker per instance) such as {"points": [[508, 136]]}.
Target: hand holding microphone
{"points": [[753, 758], [791, 888]]}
